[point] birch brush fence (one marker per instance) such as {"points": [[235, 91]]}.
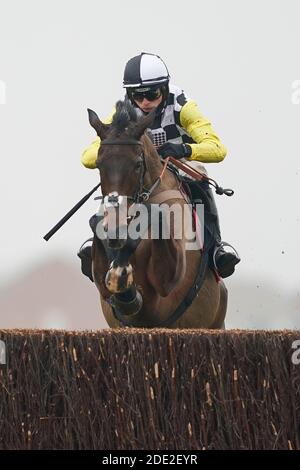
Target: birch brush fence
{"points": [[149, 389]]}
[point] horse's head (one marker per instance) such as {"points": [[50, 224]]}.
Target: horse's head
{"points": [[122, 166]]}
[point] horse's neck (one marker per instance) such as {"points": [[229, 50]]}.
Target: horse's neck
{"points": [[154, 171]]}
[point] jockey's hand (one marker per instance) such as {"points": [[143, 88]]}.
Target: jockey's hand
{"points": [[174, 150]]}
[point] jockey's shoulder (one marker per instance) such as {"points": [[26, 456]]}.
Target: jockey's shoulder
{"points": [[109, 118], [89, 155], [183, 103]]}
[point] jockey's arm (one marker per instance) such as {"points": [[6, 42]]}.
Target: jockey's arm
{"points": [[208, 147], [90, 154]]}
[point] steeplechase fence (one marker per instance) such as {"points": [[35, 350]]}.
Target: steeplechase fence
{"points": [[149, 389]]}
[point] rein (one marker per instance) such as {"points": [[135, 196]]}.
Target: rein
{"points": [[198, 175], [143, 195]]}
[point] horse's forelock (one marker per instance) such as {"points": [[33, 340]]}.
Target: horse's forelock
{"points": [[124, 116]]}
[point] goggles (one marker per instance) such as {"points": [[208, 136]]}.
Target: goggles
{"points": [[151, 94]]}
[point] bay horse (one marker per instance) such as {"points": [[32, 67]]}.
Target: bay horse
{"points": [[147, 282]]}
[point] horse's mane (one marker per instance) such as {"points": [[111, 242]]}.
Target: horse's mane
{"points": [[123, 118], [124, 122]]}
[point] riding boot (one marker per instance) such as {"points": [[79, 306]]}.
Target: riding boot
{"points": [[223, 261], [85, 255], [85, 252]]}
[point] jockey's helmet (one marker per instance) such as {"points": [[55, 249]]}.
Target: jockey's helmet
{"points": [[145, 70], [146, 73]]}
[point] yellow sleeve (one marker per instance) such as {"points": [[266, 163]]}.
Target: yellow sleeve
{"points": [[90, 154], [208, 147]]}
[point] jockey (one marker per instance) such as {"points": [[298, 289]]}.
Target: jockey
{"points": [[179, 130]]}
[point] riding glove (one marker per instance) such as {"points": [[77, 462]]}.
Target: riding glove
{"points": [[174, 150]]}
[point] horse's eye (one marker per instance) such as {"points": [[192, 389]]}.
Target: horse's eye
{"points": [[138, 164]]}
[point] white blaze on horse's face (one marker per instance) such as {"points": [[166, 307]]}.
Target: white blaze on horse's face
{"points": [[115, 219], [113, 200]]}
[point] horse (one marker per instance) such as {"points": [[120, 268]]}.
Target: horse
{"points": [[149, 282]]}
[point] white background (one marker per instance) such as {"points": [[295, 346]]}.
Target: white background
{"points": [[238, 60]]}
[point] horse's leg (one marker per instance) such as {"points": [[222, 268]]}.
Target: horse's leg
{"points": [[167, 265], [222, 308], [108, 315], [100, 267], [168, 256]]}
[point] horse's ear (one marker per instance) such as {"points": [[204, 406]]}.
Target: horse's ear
{"points": [[100, 128], [143, 124]]}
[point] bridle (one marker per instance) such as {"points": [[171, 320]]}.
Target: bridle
{"points": [[141, 194]]}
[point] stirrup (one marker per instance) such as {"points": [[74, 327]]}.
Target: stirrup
{"points": [[225, 272]]}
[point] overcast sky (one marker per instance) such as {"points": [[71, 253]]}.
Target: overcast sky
{"points": [[238, 59]]}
